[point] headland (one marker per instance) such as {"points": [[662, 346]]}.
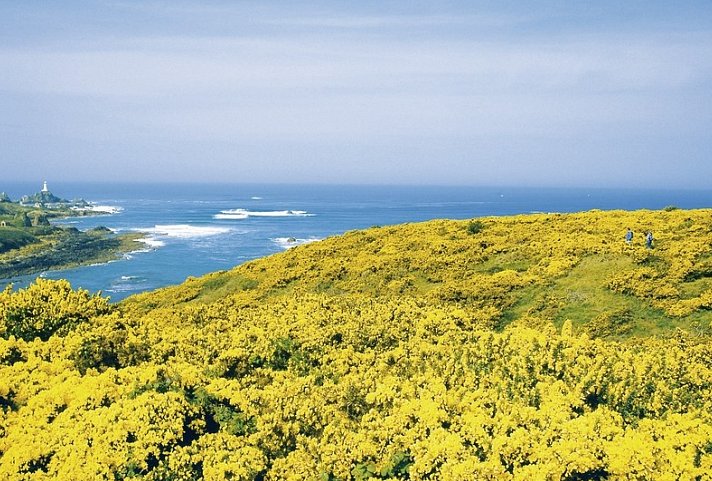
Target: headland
{"points": [[30, 243]]}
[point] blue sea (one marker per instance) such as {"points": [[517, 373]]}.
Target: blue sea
{"points": [[193, 229]]}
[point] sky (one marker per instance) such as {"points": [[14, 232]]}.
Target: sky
{"points": [[549, 93]]}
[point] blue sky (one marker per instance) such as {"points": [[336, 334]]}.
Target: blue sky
{"points": [[566, 93]]}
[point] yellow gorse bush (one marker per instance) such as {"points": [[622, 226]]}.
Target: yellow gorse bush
{"points": [[46, 307], [424, 352]]}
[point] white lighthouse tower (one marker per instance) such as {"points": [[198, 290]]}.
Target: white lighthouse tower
{"points": [[44, 187]]}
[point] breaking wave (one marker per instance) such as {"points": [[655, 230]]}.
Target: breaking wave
{"points": [[183, 231], [156, 236], [239, 214], [100, 209], [289, 242]]}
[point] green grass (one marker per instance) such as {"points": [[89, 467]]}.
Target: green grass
{"points": [[695, 287], [582, 296], [220, 285], [505, 261], [13, 238]]}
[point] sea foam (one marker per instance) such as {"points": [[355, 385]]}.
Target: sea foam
{"points": [[155, 236], [239, 214], [100, 209], [289, 242], [151, 242], [184, 231], [127, 284]]}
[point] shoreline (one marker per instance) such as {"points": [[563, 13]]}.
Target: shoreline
{"points": [[32, 243], [75, 249]]}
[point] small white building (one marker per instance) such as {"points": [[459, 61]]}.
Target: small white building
{"points": [[44, 187]]}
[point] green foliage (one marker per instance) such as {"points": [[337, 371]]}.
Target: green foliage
{"points": [[61, 247], [398, 466], [218, 285], [364, 471], [354, 402], [25, 220], [475, 227], [29, 243], [608, 324], [39, 218], [110, 345], [13, 238], [220, 415]]}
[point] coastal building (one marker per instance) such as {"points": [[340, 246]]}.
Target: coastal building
{"points": [[44, 187]]}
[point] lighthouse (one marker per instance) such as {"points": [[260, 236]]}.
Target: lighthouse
{"points": [[44, 187]]}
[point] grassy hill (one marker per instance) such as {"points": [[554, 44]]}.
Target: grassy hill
{"points": [[527, 347], [529, 269]]}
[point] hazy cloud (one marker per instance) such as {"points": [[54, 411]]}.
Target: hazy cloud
{"points": [[463, 87]]}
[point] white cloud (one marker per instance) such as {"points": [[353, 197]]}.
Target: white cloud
{"points": [[399, 21], [283, 66]]}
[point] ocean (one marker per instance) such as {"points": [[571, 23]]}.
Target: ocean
{"points": [[193, 229]]}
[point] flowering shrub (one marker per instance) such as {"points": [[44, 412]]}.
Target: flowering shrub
{"points": [[46, 307], [318, 364]]}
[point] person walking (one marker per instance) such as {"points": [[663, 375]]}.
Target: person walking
{"points": [[628, 236], [649, 240]]}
